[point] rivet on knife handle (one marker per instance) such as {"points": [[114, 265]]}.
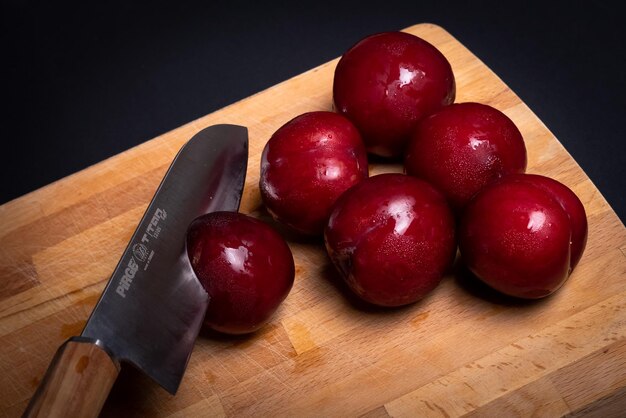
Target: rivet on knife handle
{"points": [[77, 382]]}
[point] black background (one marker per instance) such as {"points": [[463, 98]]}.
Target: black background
{"points": [[83, 82]]}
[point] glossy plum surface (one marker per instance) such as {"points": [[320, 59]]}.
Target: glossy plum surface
{"points": [[245, 266], [463, 147], [515, 237], [392, 239], [386, 83], [306, 165], [572, 205]]}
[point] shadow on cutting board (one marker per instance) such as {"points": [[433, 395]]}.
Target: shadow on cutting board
{"points": [[471, 284]]}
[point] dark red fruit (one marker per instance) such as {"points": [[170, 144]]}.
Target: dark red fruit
{"points": [[306, 165], [386, 83], [392, 239], [463, 147], [245, 266], [571, 204], [515, 236]]}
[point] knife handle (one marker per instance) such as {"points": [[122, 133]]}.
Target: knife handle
{"points": [[76, 383]]}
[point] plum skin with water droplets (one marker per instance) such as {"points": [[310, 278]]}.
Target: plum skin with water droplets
{"points": [[463, 147], [306, 165], [386, 83], [572, 205], [245, 266], [517, 237], [392, 239]]}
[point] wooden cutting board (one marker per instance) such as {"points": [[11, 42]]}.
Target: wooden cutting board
{"points": [[462, 351]]}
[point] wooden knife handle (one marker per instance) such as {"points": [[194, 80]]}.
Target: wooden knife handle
{"points": [[76, 383]]}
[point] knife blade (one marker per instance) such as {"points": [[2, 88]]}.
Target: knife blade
{"points": [[152, 308]]}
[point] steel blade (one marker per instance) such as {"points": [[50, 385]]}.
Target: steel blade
{"points": [[152, 308]]}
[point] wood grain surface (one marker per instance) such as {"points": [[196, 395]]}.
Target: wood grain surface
{"points": [[464, 350]]}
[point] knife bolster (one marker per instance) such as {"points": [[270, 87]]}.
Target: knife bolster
{"points": [[77, 381]]}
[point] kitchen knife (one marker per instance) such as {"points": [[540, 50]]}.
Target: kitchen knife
{"points": [[151, 310]]}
